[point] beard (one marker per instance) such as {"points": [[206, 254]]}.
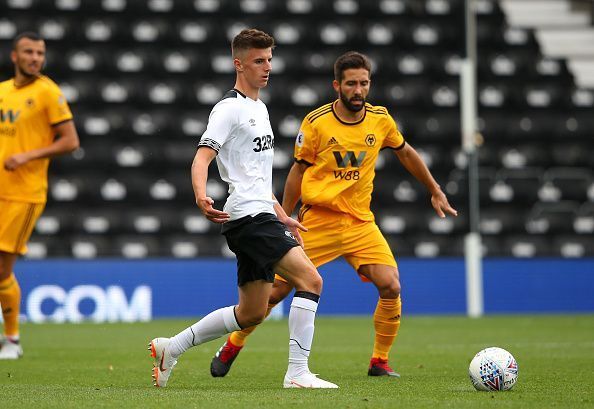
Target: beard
{"points": [[349, 105], [25, 72]]}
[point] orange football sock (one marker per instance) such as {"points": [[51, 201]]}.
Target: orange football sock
{"points": [[386, 320], [10, 300], [238, 337]]}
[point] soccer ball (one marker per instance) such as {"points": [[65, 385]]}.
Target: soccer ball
{"points": [[493, 369]]}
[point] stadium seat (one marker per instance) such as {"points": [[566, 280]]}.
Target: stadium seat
{"points": [[447, 226], [92, 246], [501, 220], [583, 223], [400, 246], [431, 246], [491, 247], [195, 245], [551, 218], [573, 246], [55, 222], [142, 76], [582, 98], [100, 222], [153, 220], [42, 246], [523, 183], [527, 246], [522, 156], [404, 94], [401, 220], [577, 124], [570, 154], [138, 246], [115, 6], [573, 182], [457, 186]]}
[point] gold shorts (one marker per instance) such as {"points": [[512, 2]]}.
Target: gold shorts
{"points": [[332, 234], [17, 220]]}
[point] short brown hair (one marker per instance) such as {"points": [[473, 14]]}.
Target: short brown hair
{"points": [[251, 38], [31, 35], [350, 59]]}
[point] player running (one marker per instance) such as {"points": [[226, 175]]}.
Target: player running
{"points": [[257, 229], [335, 155]]}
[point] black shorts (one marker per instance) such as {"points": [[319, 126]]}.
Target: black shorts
{"points": [[258, 242]]}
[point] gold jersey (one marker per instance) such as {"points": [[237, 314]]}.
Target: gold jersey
{"points": [[27, 115], [342, 156]]}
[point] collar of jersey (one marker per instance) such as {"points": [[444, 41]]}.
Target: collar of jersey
{"points": [[240, 93], [348, 123]]}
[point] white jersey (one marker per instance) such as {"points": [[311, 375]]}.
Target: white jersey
{"points": [[239, 130]]}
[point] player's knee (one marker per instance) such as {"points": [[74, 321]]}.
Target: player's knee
{"points": [[280, 291], [276, 297], [316, 282], [311, 282], [4, 273], [391, 290], [252, 318]]}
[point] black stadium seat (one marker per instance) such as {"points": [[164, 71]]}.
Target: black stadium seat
{"points": [[573, 182], [573, 246], [551, 218], [527, 246], [524, 183], [142, 76]]}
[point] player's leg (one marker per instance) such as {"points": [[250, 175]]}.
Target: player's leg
{"points": [[251, 310], [368, 252], [10, 301], [386, 318], [16, 225], [280, 290], [253, 299], [321, 247], [300, 272], [226, 355]]}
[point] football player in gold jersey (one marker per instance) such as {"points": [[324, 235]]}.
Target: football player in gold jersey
{"points": [[335, 155], [35, 125]]}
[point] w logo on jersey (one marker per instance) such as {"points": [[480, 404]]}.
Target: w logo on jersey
{"points": [[9, 115], [349, 156]]}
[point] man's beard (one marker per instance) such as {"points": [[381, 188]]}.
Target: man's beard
{"points": [[27, 74], [349, 105]]}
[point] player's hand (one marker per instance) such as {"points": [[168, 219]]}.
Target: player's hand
{"points": [[212, 214], [294, 226], [14, 161], [441, 205]]}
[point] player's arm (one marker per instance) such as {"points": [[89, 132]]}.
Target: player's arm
{"points": [[66, 141], [292, 191], [411, 160], [205, 155]]}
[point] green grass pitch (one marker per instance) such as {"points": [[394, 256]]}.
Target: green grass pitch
{"points": [[97, 365]]}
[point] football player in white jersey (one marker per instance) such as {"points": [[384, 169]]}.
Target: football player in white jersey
{"points": [[264, 239]]}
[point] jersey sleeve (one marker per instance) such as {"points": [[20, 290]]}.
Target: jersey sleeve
{"points": [[57, 107], [306, 144], [394, 138], [221, 121]]}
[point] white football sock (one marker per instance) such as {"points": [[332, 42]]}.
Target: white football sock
{"points": [[301, 331], [214, 325]]}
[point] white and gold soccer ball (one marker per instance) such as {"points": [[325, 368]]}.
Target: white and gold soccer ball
{"points": [[493, 369]]}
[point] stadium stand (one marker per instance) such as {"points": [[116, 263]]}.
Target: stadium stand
{"points": [[142, 75]]}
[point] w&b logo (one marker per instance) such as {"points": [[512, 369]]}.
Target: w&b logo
{"points": [[343, 161], [9, 115], [349, 156]]}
